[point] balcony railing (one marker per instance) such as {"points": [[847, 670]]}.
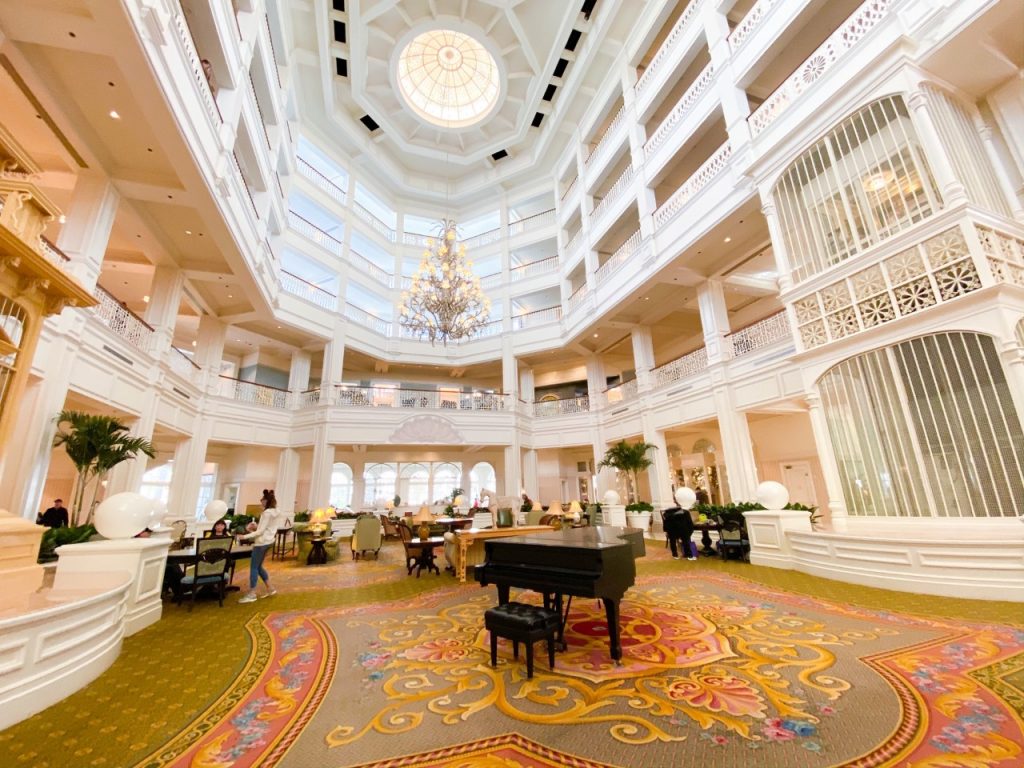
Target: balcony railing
{"points": [[750, 22], [484, 238], [700, 179], [311, 231], [614, 193], [321, 181], [534, 268], [538, 317], [309, 398], [850, 32], [362, 317], [531, 223], [682, 108], [251, 392], [304, 289], [181, 363], [361, 263], [492, 280], [415, 399], [492, 328], [667, 47], [195, 64], [415, 238], [53, 254], [620, 257], [682, 367], [605, 140], [577, 298], [574, 243], [122, 321], [376, 224], [569, 188], [563, 407], [760, 334], [627, 390]]}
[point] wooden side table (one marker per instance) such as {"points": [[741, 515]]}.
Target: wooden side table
{"points": [[318, 551]]}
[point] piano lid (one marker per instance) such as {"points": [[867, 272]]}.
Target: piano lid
{"points": [[588, 537]]}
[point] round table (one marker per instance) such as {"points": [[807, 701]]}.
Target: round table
{"points": [[705, 529], [318, 551]]}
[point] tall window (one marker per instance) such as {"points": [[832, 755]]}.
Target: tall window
{"points": [[416, 482], [864, 181], [341, 485], [380, 482], [207, 482], [156, 483], [481, 477], [926, 427], [447, 477]]}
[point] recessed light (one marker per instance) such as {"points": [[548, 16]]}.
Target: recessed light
{"points": [[114, 115], [62, 218], [145, 299], [728, 239], [188, 231], [647, 298], [595, 335], [193, 344], [230, 296]]}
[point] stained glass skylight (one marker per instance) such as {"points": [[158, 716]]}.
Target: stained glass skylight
{"points": [[448, 78]]}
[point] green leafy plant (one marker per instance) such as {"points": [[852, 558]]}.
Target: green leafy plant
{"points": [[630, 458], [95, 444], [58, 537], [238, 523], [736, 509], [456, 492], [640, 506], [302, 517]]}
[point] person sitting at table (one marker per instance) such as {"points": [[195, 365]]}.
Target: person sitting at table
{"points": [[679, 530], [262, 537], [220, 528]]}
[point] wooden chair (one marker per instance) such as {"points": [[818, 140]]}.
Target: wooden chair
{"points": [[732, 537], [208, 568], [390, 528], [412, 553]]}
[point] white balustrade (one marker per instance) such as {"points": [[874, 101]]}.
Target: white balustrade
{"points": [[532, 223], [251, 392], [614, 193], [688, 365], [53, 254], [846, 37], [534, 268], [312, 232], [181, 363], [750, 22], [577, 298], [492, 280], [122, 321], [484, 238], [361, 263], [304, 289], [420, 399], [574, 243], [414, 238], [569, 188], [376, 224], [621, 392], [565, 406], [195, 64], [761, 334], [321, 181], [667, 47], [374, 323], [605, 141], [539, 317], [309, 398], [682, 108], [619, 258], [700, 179]]}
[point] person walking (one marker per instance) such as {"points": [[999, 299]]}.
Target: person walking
{"points": [[262, 537], [55, 517], [679, 530]]}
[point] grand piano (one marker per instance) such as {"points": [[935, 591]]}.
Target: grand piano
{"points": [[583, 562]]}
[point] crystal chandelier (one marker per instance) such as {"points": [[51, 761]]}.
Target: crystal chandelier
{"points": [[444, 301]]}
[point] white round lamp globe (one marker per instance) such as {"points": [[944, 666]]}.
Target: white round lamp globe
{"points": [[685, 497], [772, 495], [123, 515], [215, 510], [612, 498]]}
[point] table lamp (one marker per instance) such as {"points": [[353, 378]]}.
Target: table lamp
{"points": [[536, 507], [424, 518], [555, 508], [574, 511], [457, 502], [319, 518]]}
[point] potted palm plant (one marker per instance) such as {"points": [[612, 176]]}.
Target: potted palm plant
{"points": [[95, 444], [632, 459]]}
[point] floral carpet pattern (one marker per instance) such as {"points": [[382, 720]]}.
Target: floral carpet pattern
{"points": [[726, 671]]}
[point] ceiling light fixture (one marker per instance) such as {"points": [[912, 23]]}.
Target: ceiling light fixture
{"points": [[62, 219], [114, 115], [145, 299], [728, 239], [188, 231]]}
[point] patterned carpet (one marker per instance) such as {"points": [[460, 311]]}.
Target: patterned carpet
{"points": [[725, 664]]}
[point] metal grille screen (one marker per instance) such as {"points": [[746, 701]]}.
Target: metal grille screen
{"points": [[926, 427]]}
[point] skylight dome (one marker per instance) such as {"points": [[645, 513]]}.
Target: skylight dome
{"points": [[448, 78]]}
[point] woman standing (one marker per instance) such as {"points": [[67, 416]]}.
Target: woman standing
{"points": [[262, 538]]}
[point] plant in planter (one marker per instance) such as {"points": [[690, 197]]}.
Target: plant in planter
{"points": [[95, 444], [58, 537], [630, 458]]}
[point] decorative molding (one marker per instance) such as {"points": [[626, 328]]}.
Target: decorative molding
{"points": [[427, 429]]}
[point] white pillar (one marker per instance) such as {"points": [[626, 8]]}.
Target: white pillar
{"points": [[783, 265], [952, 189], [298, 375], [1016, 210], [334, 363], [323, 466], [526, 391], [740, 466], [528, 479], [127, 476], [287, 479], [829, 465], [659, 475], [162, 310], [88, 221], [714, 319], [359, 484], [210, 350], [189, 459], [735, 106], [643, 355], [509, 368]]}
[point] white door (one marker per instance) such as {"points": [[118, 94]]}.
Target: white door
{"points": [[796, 476]]}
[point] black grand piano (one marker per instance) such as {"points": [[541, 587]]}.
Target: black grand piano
{"points": [[582, 562]]}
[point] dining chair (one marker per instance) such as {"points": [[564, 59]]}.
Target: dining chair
{"points": [[209, 567]]}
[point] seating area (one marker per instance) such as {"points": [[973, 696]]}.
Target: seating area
{"points": [[367, 536], [209, 568]]}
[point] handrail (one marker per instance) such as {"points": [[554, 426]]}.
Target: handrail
{"points": [[254, 383], [319, 179], [697, 181], [666, 47], [533, 268], [377, 224], [536, 317], [763, 332], [57, 251], [188, 359], [519, 226], [100, 289], [362, 396]]}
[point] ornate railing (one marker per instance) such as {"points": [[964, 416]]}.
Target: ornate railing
{"points": [[703, 176], [312, 232], [484, 238], [818, 63], [688, 365], [415, 238], [251, 392], [682, 108], [360, 262], [531, 223], [750, 22], [53, 254], [415, 399], [574, 243], [614, 193], [304, 289], [121, 320], [195, 64], [321, 181], [619, 258], [667, 47], [627, 390], [760, 334], [569, 188], [492, 280], [361, 316], [561, 407], [376, 224], [537, 317], [604, 141], [534, 268], [309, 398], [181, 363], [577, 298]]}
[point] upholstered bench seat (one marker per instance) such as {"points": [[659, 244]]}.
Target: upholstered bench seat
{"points": [[520, 622]]}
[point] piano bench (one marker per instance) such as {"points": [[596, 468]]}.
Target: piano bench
{"points": [[520, 622]]}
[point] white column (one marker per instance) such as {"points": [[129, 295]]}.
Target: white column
{"points": [[334, 363], [127, 476], [740, 466], [189, 459], [526, 391], [783, 265], [829, 465], [298, 375], [1000, 171], [714, 319], [643, 355], [735, 106], [210, 350], [88, 221], [509, 368], [659, 474], [162, 310], [323, 465], [287, 479], [528, 480], [359, 484], [953, 192]]}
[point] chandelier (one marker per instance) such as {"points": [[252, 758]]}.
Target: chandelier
{"points": [[444, 301]]}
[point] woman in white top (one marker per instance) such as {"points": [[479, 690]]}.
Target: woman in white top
{"points": [[262, 538]]}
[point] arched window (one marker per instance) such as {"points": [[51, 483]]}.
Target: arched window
{"points": [[341, 485], [866, 180], [380, 482], [447, 477], [156, 482], [415, 484], [926, 427], [481, 477]]}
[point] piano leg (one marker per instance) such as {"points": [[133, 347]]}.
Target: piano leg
{"points": [[503, 593], [611, 611]]}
